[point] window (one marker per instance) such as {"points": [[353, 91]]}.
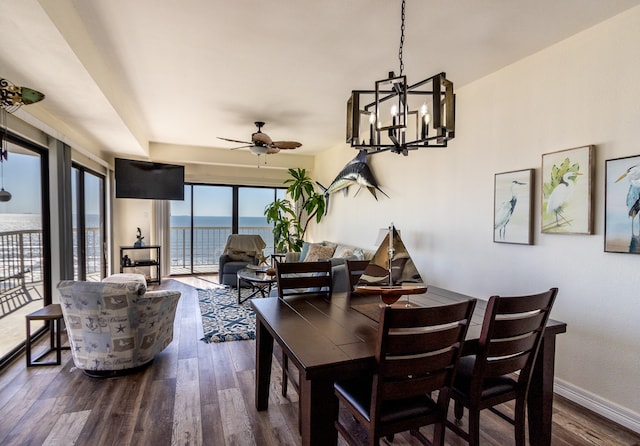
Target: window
{"points": [[201, 224]]}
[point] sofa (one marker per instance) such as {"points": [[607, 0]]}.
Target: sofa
{"points": [[116, 326], [337, 254]]}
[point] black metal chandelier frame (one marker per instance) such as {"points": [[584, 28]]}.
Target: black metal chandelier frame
{"points": [[398, 117]]}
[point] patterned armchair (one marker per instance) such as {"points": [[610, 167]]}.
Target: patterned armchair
{"points": [[115, 327]]}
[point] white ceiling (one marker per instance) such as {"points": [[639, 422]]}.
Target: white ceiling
{"points": [[119, 74]]}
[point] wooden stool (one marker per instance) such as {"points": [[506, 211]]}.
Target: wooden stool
{"points": [[52, 313]]}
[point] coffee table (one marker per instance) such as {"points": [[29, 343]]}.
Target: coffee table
{"points": [[257, 279]]}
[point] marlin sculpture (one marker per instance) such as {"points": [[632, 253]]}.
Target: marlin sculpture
{"points": [[356, 171]]}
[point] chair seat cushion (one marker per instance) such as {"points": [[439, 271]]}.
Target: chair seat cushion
{"points": [[358, 393], [234, 267], [491, 387]]}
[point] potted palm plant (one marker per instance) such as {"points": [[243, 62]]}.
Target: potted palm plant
{"points": [[292, 216]]}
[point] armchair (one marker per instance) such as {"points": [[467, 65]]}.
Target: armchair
{"points": [[115, 328], [239, 251]]}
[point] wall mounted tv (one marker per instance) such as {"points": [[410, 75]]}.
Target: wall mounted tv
{"points": [[143, 179]]}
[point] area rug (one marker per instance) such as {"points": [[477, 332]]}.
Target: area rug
{"points": [[222, 318]]}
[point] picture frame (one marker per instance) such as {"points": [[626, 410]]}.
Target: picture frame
{"points": [[512, 207], [622, 203], [567, 191]]}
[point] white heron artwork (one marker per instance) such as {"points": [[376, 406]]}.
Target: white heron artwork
{"points": [[622, 205], [566, 191], [512, 207]]}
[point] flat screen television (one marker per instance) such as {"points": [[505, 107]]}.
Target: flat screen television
{"points": [[147, 180]]}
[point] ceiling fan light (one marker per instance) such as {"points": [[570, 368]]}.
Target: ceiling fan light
{"points": [[259, 150]]}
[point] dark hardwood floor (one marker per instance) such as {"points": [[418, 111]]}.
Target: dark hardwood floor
{"points": [[202, 394]]}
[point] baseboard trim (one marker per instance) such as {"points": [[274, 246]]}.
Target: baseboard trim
{"points": [[608, 409]]}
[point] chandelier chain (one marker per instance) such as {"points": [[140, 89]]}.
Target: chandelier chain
{"points": [[401, 40]]}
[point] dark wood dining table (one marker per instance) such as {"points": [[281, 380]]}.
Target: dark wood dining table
{"points": [[331, 340]]}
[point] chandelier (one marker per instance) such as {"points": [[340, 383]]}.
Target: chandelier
{"points": [[12, 98], [398, 117]]}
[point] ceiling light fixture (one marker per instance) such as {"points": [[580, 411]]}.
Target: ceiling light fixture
{"points": [[12, 98], [398, 117], [4, 152]]}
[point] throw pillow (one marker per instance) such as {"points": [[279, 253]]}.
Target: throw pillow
{"points": [[317, 252], [238, 256], [304, 251], [358, 254], [343, 251]]}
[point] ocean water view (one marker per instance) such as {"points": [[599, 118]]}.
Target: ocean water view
{"points": [[20, 222], [216, 221]]}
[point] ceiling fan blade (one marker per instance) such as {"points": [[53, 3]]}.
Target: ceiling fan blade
{"points": [[287, 145], [235, 140], [272, 149], [242, 147]]}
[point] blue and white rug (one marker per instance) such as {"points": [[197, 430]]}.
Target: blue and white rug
{"points": [[223, 319]]}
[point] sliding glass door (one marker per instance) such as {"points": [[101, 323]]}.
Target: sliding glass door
{"points": [[24, 240], [87, 190], [201, 224]]}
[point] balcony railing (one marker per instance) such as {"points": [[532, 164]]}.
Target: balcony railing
{"points": [[208, 245], [21, 260], [21, 252]]}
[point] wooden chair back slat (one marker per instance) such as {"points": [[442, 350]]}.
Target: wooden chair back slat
{"points": [[355, 269], [403, 366], [300, 278], [512, 330]]}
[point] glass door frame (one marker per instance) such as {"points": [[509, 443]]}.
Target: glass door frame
{"points": [[43, 154], [80, 221]]}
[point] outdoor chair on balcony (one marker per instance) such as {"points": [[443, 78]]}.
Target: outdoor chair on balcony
{"points": [[239, 251], [116, 327]]}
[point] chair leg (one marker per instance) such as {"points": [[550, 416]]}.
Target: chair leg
{"points": [[474, 427], [520, 422], [438, 433], [458, 409], [285, 368]]}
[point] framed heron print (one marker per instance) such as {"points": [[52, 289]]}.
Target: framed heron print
{"points": [[567, 183], [622, 205], [512, 203]]}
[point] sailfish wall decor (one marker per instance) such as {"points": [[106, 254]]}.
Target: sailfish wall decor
{"points": [[355, 172]]}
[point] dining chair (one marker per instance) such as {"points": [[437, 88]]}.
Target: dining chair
{"points": [[511, 335], [301, 279], [355, 269], [417, 350]]}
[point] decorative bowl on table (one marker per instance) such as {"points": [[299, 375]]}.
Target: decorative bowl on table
{"points": [[270, 272]]}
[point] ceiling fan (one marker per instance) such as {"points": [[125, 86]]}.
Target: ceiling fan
{"points": [[261, 143]]}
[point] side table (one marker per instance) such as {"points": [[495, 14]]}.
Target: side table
{"points": [[258, 280], [53, 314]]}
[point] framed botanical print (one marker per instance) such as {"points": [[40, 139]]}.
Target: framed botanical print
{"points": [[622, 205], [567, 183], [512, 205]]}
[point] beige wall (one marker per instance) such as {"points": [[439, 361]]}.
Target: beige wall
{"points": [[585, 90]]}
